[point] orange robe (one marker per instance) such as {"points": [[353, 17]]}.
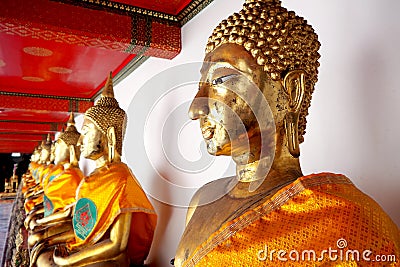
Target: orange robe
{"points": [[60, 188], [101, 197], [40, 174], [31, 177], [45, 173], [318, 220], [28, 181], [33, 166]]}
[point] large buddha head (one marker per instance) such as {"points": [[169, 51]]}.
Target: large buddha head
{"points": [[103, 127], [267, 47], [66, 141]]}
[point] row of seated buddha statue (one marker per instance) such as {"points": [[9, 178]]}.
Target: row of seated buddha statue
{"points": [[259, 72], [104, 219]]}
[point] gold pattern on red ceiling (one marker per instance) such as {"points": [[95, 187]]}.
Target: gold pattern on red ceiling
{"points": [[56, 54], [172, 7]]}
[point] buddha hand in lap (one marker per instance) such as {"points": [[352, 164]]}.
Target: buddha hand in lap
{"points": [[269, 202], [113, 220]]}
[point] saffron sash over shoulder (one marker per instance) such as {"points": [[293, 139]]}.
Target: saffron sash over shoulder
{"points": [[301, 224], [60, 188], [104, 195]]}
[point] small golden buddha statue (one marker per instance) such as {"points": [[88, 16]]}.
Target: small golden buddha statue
{"points": [[244, 220], [59, 186], [66, 156], [7, 186], [11, 184], [34, 169], [34, 199], [28, 178], [14, 180], [45, 152], [113, 220]]}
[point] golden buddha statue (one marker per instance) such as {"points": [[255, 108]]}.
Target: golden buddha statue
{"points": [[34, 165], [14, 180], [7, 186], [28, 179], [113, 220], [66, 156], [34, 198], [59, 186], [247, 219]]}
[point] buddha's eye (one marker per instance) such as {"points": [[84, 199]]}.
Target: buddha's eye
{"points": [[223, 79]]}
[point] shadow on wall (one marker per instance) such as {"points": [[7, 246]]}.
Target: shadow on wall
{"points": [[164, 215], [378, 112]]}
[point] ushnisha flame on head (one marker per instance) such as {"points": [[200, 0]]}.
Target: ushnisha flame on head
{"points": [[106, 113], [278, 40], [71, 135], [46, 144]]}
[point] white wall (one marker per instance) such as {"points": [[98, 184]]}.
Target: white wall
{"points": [[352, 127]]}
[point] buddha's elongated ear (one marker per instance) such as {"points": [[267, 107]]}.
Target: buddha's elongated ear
{"points": [[111, 141], [294, 86], [73, 159]]}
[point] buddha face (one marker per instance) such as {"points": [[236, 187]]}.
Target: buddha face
{"points": [[91, 141], [61, 152], [35, 156], [44, 154], [233, 103]]}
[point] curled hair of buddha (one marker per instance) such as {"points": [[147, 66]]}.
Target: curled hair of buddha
{"points": [[106, 113], [279, 41], [71, 135]]}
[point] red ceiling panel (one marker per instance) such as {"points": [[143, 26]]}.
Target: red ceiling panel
{"points": [[33, 116], [35, 66], [172, 7], [55, 56], [33, 108], [15, 137], [20, 146], [29, 128], [67, 19]]}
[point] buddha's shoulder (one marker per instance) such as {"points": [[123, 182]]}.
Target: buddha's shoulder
{"points": [[120, 167], [211, 191]]}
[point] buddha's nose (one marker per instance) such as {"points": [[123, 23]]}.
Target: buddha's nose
{"points": [[199, 107]]}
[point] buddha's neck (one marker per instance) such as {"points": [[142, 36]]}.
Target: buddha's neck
{"points": [[253, 171], [61, 162], [262, 175], [69, 165], [103, 160]]}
